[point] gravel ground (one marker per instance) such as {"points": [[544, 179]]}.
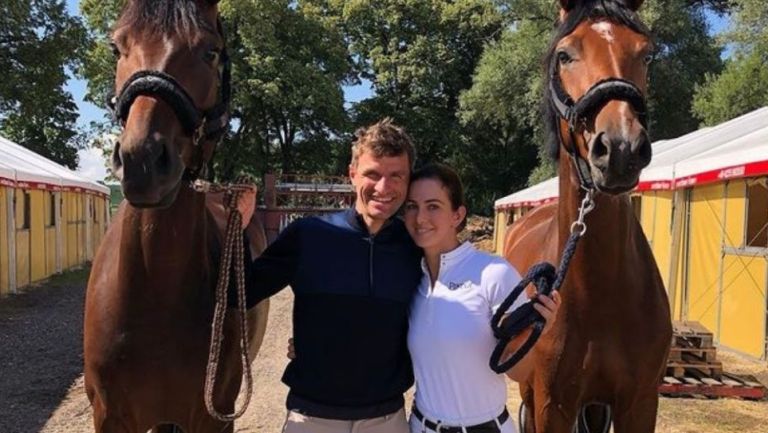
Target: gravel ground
{"points": [[41, 383], [41, 386]]}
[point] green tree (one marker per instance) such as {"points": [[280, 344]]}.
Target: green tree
{"points": [[289, 69], [685, 54], [501, 114], [419, 55], [289, 63], [39, 44], [743, 84]]}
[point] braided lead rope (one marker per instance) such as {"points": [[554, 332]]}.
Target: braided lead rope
{"points": [[545, 280], [233, 245]]}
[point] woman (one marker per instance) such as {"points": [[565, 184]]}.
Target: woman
{"points": [[450, 338]]}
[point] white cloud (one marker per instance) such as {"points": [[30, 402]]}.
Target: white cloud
{"points": [[92, 164]]}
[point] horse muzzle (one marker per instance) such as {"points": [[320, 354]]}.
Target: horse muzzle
{"points": [[150, 173], [616, 161]]}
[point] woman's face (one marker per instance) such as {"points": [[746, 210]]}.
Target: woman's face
{"points": [[429, 216]]}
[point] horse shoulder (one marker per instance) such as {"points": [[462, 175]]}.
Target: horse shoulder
{"points": [[532, 238]]}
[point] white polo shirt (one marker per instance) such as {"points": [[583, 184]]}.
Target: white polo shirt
{"points": [[450, 337]]}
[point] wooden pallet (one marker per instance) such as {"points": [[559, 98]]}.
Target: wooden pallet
{"points": [[730, 386], [712, 369], [692, 354], [693, 368], [690, 335]]}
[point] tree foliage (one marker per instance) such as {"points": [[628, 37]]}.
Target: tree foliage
{"points": [[743, 84], [39, 43], [419, 55], [463, 76], [685, 55]]}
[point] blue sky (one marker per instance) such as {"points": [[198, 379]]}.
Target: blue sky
{"points": [[91, 163]]}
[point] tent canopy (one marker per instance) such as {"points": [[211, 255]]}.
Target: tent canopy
{"points": [[20, 166], [733, 149]]}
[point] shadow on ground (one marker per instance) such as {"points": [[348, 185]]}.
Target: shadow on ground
{"points": [[40, 350]]}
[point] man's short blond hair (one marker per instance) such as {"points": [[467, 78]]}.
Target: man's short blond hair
{"points": [[383, 138]]}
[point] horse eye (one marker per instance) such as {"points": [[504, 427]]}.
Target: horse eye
{"points": [[563, 57], [211, 56], [648, 59], [115, 50]]}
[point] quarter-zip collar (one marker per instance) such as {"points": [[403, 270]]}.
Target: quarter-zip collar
{"points": [[355, 221]]}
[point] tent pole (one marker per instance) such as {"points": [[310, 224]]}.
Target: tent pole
{"points": [[59, 241], [11, 218], [674, 250]]}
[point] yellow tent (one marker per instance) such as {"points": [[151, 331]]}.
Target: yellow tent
{"points": [[51, 219], [703, 204]]}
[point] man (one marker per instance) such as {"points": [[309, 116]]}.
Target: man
{"points": [[353, 274]]}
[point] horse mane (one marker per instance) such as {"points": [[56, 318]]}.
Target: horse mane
{"points": [[162, 17], [612, 10]]}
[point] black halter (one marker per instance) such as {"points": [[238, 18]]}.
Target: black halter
{"points": [[577, 113], [201, 125]]}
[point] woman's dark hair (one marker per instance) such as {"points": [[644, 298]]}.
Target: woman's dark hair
{"points": [[450, 180]]}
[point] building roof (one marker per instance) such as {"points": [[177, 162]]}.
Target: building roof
{"points": [[23, 168]]}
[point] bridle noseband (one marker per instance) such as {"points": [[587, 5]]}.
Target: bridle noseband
{"points": [[201, 125], [578, 113]]}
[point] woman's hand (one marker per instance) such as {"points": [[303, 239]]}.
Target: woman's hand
{"points": [[548, 307]]}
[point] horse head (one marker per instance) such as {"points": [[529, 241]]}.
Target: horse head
{"points": [[172, 83], [595, 104]]}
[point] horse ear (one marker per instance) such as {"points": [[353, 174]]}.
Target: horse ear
{"points": [[633, 5], [567, 5]]}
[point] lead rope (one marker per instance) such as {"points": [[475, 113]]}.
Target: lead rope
{"points": [[233, 245], [545, 279]]}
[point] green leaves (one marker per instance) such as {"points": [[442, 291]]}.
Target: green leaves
{"points": [[463, 76], [743, 84], [39, 44]]}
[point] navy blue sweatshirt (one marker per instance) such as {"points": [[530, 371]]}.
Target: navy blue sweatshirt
{"points": [[352, 293]]}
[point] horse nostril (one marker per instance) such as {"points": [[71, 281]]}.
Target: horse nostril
{"points": [[643, 150], [600, 150], [164, 159]]}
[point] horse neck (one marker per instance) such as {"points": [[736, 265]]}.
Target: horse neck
{"points": [[167, 242], [610, 226]]}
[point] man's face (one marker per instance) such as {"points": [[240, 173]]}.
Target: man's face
{"points": [[381, 184]]}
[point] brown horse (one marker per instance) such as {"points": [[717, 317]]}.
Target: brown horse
{"points": [[610, 341], [150, 297]]}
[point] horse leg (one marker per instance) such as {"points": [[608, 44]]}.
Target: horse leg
{"points": [[106, 423], [639, 416], [525, 413], [167, 428], [108, 419], [553, 415], [211, 425], [595, 418]]}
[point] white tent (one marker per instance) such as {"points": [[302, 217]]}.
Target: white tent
{"points": [[51, 218], [19, 164]]}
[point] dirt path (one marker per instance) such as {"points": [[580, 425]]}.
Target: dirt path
{"points": [[41, 386]]}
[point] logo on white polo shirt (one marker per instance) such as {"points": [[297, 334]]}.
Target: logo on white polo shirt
{"points": [[461, 285]]}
